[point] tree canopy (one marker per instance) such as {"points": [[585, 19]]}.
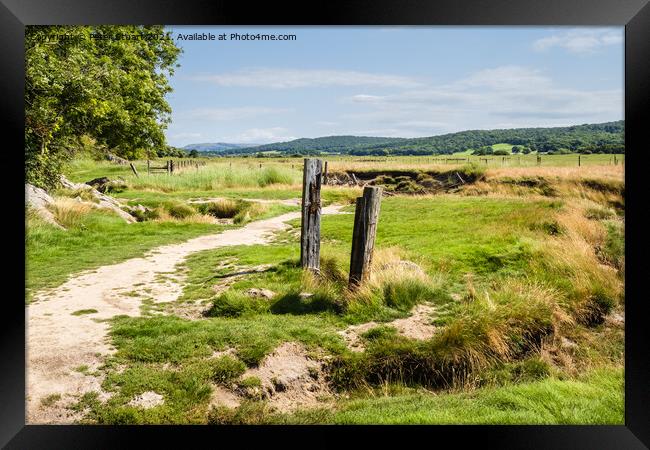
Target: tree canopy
{"points": [[106, 82]]}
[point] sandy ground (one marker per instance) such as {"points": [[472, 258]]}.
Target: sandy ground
{"points": [[416, 326], [60, 344]]}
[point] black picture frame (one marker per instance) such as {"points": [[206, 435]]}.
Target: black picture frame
{"points": [[633, 14]]}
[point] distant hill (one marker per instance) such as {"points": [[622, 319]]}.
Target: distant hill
{"points": [[214, 146], [330, 144], [605, 137]]}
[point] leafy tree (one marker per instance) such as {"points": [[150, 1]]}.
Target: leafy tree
{"points": [[193, 153], [526, 150], [111, 89]]}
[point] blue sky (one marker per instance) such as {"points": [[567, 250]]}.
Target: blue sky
{"points": [[392, 81]]}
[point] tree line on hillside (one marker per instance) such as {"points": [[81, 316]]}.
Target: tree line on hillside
{"points": [[591, 138]]}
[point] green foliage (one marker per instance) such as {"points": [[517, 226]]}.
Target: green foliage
{"points": [[112, 90], [180, 210], [222, 209]]}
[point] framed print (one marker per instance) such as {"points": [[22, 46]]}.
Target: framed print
{"points": [[272, 219]]}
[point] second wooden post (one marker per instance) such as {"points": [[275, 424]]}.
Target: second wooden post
{"points": [[363, 234], [310, 219]]}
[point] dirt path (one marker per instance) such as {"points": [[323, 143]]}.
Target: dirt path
{"points": [[63, 349]]}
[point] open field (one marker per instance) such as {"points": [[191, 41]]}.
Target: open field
{"points": [[497, 299]]}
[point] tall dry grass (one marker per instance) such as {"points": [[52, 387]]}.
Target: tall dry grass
{"points": [[69, 212]]}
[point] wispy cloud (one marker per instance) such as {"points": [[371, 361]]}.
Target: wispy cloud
{"points": [[507, 94], [239, 113], [580, 40], [261, 136], [185, 135], [299, 78]]}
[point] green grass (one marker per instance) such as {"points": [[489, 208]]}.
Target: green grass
{"points": [[596, 398], [453, 235], [81, 312], [492, 253]]}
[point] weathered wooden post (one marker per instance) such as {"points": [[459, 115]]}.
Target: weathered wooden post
{"points": [[310, 220], [615, 161], [148, 166], [168, 167], [363, 234], [325, 174], [171, 166], [133, 169], [579, 160]]}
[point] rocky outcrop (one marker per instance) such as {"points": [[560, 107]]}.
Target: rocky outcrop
{"points": [[102, 200], [116, 159], [39, 200]]}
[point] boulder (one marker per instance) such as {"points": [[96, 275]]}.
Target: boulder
{"points": [[99, 183], [38, 200], [116, 159], [103, 200], [263, 293]]}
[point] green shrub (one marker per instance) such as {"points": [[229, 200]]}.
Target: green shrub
{"points": [[222, 209], [180, 210]]}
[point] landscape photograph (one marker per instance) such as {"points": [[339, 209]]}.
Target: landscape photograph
{"points": [[340, 225]]}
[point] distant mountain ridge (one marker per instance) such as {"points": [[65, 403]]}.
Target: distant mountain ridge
{"points": [[605, 137], [215, 146]]}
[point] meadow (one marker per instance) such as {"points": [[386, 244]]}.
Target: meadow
{"points": [[514, 282]]}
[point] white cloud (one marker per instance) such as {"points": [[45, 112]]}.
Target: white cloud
{"points": [[580, 40], [261, 136], [507, 77], [239, 113], [185, 135], [508, 94], [299, 78]]}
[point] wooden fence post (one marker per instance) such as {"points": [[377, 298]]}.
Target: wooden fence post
{"points": [[148, 167], [168, 167], [133, 169], [310, 218], [363, 234], [578, 160], [171, 166], [325, 174]]}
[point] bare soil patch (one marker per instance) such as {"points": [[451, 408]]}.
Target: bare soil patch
{"points": [[416, 326]]}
